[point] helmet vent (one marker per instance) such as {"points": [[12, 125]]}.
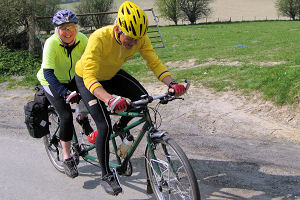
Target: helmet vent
{"points": [[141, 28], [133, 30], [126, 26], [123, 10], [128, 11], [144, 19], [134, 19], [138, 14]]}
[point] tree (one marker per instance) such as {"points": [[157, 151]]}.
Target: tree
{"points": [[169, 9], [49, 10], [17, 21], [195, 9], [94, 6], [288, 8]]}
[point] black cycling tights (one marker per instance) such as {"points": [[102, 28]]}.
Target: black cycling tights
{"points": [[122, 84], [63, 109]]}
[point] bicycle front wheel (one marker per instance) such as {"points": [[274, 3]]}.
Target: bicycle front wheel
{"points": [[170, 172], [51, 141]]}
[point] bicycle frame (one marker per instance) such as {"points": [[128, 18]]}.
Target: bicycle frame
{"points": [[169, 172], [121, 165]]}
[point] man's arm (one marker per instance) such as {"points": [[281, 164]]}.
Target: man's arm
{"points": [[102, 94]]}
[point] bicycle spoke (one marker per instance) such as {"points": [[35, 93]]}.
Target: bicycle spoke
{"points": [[169, 176]]}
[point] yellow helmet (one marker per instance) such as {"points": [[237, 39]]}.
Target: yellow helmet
{"points": [[132, 20]]}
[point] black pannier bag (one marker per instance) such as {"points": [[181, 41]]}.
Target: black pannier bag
{"points": [[40, 96], [36, 115]]}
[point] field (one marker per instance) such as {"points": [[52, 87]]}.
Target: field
{"points": [[248, 56], [223, 10]]}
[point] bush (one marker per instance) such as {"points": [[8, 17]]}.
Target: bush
{"points": [[18, 62]]}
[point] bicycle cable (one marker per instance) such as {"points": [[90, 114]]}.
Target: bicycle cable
{"points": [[157, 116]]}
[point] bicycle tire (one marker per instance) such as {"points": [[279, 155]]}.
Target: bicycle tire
{"points": [[54, 150], [182, 186]]}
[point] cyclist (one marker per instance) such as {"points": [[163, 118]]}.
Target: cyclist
{"points": [[99, 76], [56, 75]]}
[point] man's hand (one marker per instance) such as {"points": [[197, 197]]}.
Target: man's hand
{"points": [[118, 104], [72, 97], [176, 89]]}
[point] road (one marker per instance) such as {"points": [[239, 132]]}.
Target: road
{"points": [[236, 161]]}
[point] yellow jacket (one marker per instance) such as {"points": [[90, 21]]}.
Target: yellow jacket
{"points": [[104, 56]]}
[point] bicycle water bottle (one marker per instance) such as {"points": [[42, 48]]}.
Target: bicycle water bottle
{"points": [[92, 136], [125, 146]]}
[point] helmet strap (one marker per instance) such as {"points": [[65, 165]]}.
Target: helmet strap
{"points": [[117, 37], [64, 43], [119, 34]]}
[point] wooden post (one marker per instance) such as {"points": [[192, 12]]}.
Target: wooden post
{"points": [[31, 33]]}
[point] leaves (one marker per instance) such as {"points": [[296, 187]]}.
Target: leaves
{"points": [[18, 62], [15, 18]]}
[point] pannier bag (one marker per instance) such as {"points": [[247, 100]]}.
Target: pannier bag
{"points": [[36, 119], [36, 114], [40, 96]]}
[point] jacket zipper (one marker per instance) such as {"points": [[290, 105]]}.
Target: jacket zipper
{"points": [[70, 66]]}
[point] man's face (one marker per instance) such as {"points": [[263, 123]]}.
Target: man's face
{"points": [[127, 42]]}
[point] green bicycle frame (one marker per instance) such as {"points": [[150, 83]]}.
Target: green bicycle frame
{"points": [[144, 118]]}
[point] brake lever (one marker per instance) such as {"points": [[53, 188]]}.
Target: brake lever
{"points": [[188, 83], [166, 99]]}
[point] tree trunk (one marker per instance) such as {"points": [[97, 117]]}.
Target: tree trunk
{"points": [[31, 34]]}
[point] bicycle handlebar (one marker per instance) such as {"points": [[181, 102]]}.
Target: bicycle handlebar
{"points": [[164, 98], [71, 96]]}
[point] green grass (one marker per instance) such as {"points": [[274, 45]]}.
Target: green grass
{"points": [[268, 62], [267, 54]]}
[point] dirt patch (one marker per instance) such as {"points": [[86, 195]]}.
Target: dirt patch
{"points": [[202, 111], [191, 63], [231, 113]]}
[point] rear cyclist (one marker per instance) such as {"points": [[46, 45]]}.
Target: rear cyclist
{"points": [[61, 51], [99, 76]]}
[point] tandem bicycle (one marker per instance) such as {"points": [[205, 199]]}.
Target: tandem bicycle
{"points": [[169, 172]]}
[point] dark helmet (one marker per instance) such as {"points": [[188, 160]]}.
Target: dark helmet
{"points": [[64, 16]]}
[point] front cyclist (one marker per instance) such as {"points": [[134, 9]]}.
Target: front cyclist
{"points": [[99, 76]]}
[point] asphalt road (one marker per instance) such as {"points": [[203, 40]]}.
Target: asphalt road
{"points": [[234, 157], [261, 170]]}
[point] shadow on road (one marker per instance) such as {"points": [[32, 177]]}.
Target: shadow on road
{"points": [[136, 182], [218, 180], [243, 180]]}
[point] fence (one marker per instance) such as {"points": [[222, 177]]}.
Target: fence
{"points": [[153, 31], [224, 20]]}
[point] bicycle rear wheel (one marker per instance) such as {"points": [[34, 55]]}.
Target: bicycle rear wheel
{"points": [[170, 172], [51, 141]]}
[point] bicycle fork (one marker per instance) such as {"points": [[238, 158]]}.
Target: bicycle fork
{"points": [[150, 138]]}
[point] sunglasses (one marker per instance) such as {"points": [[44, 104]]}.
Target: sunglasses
{"points": [[129, 38], [68, 28]]}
